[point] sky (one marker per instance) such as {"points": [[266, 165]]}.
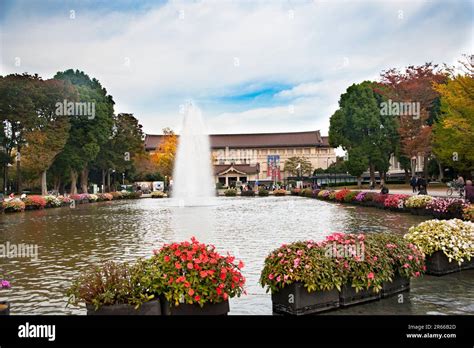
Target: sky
{"points": [[251, 66]]}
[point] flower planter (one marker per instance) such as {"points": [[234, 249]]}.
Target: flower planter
{"points": [[397, 285], [221, 308], [438, 264], [348, 296], [420, 211], [4, 308], [296, 300], [148, 308]]}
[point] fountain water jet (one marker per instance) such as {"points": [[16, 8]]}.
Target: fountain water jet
{"points": [[193, 183]]}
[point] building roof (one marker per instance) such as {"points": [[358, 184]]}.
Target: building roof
{"points": [[239, 168], [255, 140]]}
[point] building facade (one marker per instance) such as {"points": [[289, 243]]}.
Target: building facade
{"points": [[261, 157]]}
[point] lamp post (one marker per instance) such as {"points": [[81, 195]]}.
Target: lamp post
{"points": [[123, 179]]}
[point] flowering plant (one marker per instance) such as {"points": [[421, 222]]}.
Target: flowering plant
{"points": [[324, 194], [350, 197], [79, 197], [379, 198], [52, 201], [295, 192], [395, 201], [116, 195], [262, 192], [112, 283], [360, 196], [13, 205], [230, 192], [303, 261], [453, 237], [339, 196], [92, 197], [369, 196], [35, 202], [279, 192], [332, 195], [104, 196], [447, 205], [193, 272], [307, 192], [4, 284], [468, 213], [418, 201], [64, 199], [157, 194]]}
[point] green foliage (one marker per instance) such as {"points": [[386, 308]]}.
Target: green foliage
{"points": [[263, 193], [230, 192], [291, 166]]}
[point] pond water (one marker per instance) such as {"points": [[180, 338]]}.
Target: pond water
{"points": [[71, 240]]}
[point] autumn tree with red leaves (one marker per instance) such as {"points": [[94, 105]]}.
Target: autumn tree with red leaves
{"points": [[415, 84]]}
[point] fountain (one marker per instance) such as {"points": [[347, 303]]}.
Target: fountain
{"points": [[193, 183]]}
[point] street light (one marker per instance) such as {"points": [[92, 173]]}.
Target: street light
{"points": [[123, 179]]}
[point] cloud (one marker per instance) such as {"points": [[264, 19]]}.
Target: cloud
{"points": [[153, 59]]}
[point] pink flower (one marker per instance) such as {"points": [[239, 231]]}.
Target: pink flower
{"points": [[278, 278], [370, 275], [271, 276], [406, 265], [280, 254], [410, 257], [417, 274], [299, 252], [285, 277]]}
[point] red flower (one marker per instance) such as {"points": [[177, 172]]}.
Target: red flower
{"points": [[191, 292], [166, 258], [203, 274], [177, 265], [223, 275], [197, 298], [370, 275], [225, 296], [241, 265], [190, 265]]}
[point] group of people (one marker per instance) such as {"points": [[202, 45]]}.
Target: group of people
{"points": [[419, 184], [466, 187]]}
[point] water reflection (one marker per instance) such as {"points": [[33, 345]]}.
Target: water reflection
{"points": [[71, 240]]}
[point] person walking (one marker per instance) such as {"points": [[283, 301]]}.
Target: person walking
{"points": [[422, 186], [413, 183]]}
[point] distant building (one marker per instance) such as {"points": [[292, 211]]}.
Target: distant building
{"points": [[260, 156]]}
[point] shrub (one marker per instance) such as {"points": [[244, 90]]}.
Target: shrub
{"points": [[279, 192], [468, 213], [194, 272], [248, 193], [307, 192], [350, 196], [303, 261], [13, 205], [453, 237], [105, 196], [109, 284], [395, 201], [64, 200], [369, 196], [360, 196], [419, 201], [332, 195], [35, 202], [295, 192], [131, 195], [339, 196], [52, 201], [262, 192], [157, 194], [379, 198], [116, 195], [92, 198], [324, 194], [454, 206], [230, 192], [80, 197]]}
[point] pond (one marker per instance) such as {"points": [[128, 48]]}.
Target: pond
{"points": [[71, 240]]}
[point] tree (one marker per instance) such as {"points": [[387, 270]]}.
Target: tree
{"points": [[298, 166], [125, 144], [415, 85], [88, 134], [17, 115], [357, 163], [48, 138], [453, 134], [166, 152], [359, 127]]}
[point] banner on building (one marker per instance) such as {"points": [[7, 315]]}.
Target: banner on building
{"points": [[273, 167]]}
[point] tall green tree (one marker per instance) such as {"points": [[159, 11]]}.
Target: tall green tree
{"points": [[359, 127], [88, 134]]}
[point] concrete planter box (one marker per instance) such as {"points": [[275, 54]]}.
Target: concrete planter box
{"points": [[348, 296], [4, 308], [294, 299], [148, 308], [438, 264], [221, 308], [397, 285]]}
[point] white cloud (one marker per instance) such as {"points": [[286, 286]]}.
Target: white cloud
{"points": [[152, 61]]}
